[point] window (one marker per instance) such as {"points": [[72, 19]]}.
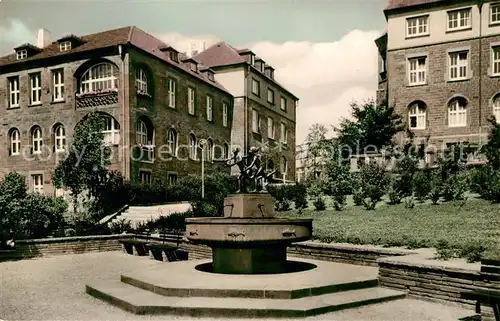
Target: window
{"points": [[14, 92], [283, 165], [495, 61], [224, 114], [417, 116], [65, 46], [210, 76], [99, 77], [36, 140], [15, 142], [283, 134], [36, 88], [145, 177], [110, 130], [191, 99], [252, 59], [459, 19], [171, 93], [172, 179], [270, 96], [417, 70], [495, 13], [209, 150], [496, 109], [37, 180], [192, 146], [141, 81], [225, 151], [457, 113], [22, 54], [458, 65], [255, 121], [283, 103], [270, 127], [174, 56], [141, 134], [172, 142], [193, 66], [58, 85], [209, 108], [255, 87], [417, 26], [59, 138]]}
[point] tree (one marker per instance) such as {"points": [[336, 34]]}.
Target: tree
{"points": [[492, 148], [315, 141], [372, 126], [338, 181], [86, 162]]}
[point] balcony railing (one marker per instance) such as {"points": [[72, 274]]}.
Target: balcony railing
{"points": [[97, 98]]}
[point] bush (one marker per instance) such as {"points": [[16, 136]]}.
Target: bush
{"points": [[148, 194], [486, 182], [299, 196], [319, 203], [374, 182], [120, 226], [395, 191], [473, 251], [43, 215], [282, 195], [339, 202], [422, 184]]}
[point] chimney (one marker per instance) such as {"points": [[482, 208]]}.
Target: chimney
{"points": [[43, 38]]}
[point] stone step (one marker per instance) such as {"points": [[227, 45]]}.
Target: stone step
{"points": [[140, 301], [235, 292]]}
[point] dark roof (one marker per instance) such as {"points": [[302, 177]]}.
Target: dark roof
{"points": [[221, 54], [126, 35], [70, 37], [28, 46], [399, 4]]}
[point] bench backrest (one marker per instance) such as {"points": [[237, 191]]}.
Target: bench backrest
{"points": [[171, 236], [143, 234]]}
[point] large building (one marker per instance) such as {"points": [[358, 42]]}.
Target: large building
{"points": [[440, 67], [264, 110], [157, 105]]}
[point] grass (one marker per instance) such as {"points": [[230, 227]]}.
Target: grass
{"points": [[462, 225]]}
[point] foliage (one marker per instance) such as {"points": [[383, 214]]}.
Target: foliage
{"points": [[319, 203], [476, 221], [407, 165], [486, 182], [492, 149], [337, 180], [339, 202], [111, 193], [120, 226], [452, 165], [371, 125], [374, 182], [299, 196], [315, 141], [282, 196], [422, 184], [395, 192], [357, 189], [148, 194], [86, 162]]}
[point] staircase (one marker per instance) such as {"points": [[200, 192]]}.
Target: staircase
{"points": [[138, 214]]}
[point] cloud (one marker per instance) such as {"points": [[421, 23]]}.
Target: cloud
{"points": [[14, 33], [326, 76]]}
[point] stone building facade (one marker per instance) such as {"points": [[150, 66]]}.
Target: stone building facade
{"points": [[440, 68], [264, 110], [155, 102]]}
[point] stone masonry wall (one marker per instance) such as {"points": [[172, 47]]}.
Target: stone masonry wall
{"points": [[438, 91]]}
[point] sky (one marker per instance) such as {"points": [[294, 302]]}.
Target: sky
{"points": [[323, 50]]}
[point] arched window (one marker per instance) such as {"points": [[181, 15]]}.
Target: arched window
{"points": [[110, 130], [15, 142], [99, 77], [457, 113], [36, 140], [59, 138], [417, 115], [284, 165], [172, 142], [192, 146], [209, 150], [225, 151], [141, 81], [141, 133], [496, 108]]}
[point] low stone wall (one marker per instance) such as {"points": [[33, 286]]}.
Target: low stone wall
{"points": [[63, 245], [440, 281]]}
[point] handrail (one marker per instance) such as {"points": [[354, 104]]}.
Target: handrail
{"points": [[110, 217]]}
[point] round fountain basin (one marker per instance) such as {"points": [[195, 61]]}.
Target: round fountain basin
{"points": [[251, 231]]}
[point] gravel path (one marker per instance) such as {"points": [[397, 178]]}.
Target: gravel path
{"points": [[54, 289]]}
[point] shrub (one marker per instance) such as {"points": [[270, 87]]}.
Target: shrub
{"points": [[299, 196], [43, 215], [319, 203], [339, 202], [451, 171], [395, 192], [473, 251], [282, 194], [374, 182], [486, 182], [120, 226], [148, 194], [444, 251], [422, 184]]}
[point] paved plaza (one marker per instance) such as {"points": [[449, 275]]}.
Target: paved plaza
{"points": [[54, 289]]}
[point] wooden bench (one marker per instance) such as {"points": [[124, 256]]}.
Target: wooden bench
{"points": [[138, 244], [490, 272], [168, 250]]}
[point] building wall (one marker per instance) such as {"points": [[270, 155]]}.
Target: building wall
{"points": [[45, 115], [165, 118]]}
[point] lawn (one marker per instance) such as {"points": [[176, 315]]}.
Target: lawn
{"points": [[462, 223]]}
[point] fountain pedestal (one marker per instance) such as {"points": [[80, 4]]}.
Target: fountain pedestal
{"points": [[248, 239]]}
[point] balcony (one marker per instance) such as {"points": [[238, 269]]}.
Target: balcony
{"points": [[97, 98]]}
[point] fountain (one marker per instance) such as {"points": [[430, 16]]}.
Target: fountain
{"points": [[249, 274], [248, 239]]}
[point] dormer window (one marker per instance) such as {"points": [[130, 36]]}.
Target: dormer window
{"points": [[65, 46], [174, 56], [22, 54], [252, 60], [194, 66], [210, 76], [172, 53]]}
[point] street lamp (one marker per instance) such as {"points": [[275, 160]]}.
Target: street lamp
{"points": [[203, 144]]}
